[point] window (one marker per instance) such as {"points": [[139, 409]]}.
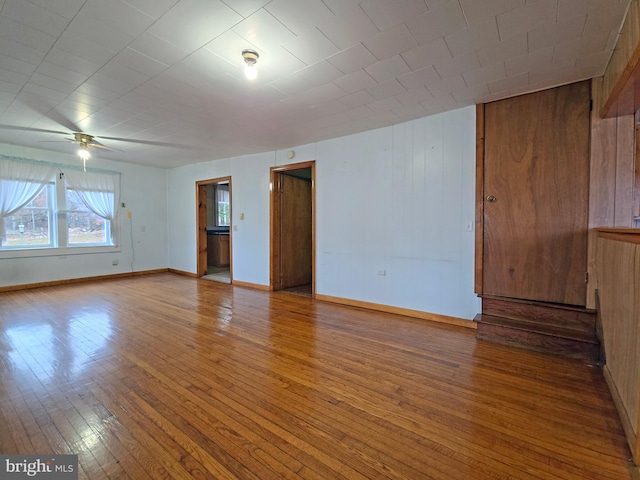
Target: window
{"points": [[31, 225], [42, 209], [83, 226], [223, 210]]}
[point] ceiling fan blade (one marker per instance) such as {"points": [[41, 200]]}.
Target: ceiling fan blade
{"points": [[62, 120], [104, 147], [151, 142], [31, 129]]}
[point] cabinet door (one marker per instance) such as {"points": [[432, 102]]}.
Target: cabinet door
{"points": [[536, 187]]}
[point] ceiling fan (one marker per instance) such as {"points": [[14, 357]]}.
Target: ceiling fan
{"points": [[85, 140]]}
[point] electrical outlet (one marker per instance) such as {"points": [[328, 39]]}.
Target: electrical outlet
{"points": [[114, 262], [123, 205], [381, 273]]}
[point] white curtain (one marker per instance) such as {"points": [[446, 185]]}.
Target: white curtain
{"points": [[100, 193], [21, 181]]}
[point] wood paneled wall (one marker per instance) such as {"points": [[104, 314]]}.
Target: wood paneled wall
{"points": [[618, 267], [622, 75], [611, 189]]}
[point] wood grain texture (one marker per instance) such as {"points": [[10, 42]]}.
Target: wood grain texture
{"points": [[625, 172], [536, 164], [621, 83], [296, 235], [479, 220], [166, 376], [618, 266]]}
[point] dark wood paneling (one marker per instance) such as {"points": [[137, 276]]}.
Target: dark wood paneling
{"points": [[295, 231], [479, 224], [201, 200], [536, 165]]}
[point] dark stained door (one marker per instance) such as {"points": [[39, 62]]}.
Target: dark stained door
{"points": [[536, 187], [296, 231]]}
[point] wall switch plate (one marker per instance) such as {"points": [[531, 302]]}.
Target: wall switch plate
{"points": [[469, 227], [381, 273]]}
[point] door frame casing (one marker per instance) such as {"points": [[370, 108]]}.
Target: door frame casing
{"points": [[274, 223], [201, 225]]}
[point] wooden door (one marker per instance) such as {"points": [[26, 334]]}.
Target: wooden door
{"points": [[536, 178], [295, 231]]}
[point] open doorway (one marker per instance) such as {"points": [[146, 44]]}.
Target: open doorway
{"points": [[293, 228], [214, 229]]}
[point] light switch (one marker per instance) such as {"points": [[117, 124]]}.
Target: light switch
{"points": [[242, 216]]}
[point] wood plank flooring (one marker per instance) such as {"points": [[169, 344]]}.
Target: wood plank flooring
{"points": [[164, 376]]}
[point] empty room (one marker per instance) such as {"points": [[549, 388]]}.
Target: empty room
{"points": [[320, 239]]}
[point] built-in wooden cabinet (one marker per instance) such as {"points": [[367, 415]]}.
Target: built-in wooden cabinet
{"points": [[218, 252], [533, 217]]}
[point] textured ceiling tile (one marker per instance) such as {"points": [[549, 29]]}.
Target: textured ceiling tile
{"points": [[97, 33], [140, 63], [35, 17], [245, 7], [157, 49], [560, 32], [483, 75], [311, 47], [427, 54], [447, 85], [457, 65], [472, 38], [388, 69], [356, 99], [20, 33], [350, 28], [509, 83], [388, 89], [352, 59], [291, 84], [301, 15], [385, 104], [72, 62], [116, 14], [188, 25], [153, 8], [16, 65], [65, 8], [529, 17], [61, 73], [319, 73], [355, 81], [419, 78], [21, 52], [410, 97], [389, 13], [471, 95], [477, 12], [496, 52], [264, 30], [531, 61], [391, 42], [436, 23]]}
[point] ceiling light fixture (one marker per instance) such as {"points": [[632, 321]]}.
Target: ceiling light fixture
{"points": [[250, 58], [84, 154]]}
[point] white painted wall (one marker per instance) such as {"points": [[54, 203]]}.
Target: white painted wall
{"points": [[396, 199], [143, 189]]}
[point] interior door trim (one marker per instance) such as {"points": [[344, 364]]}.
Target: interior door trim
{"points": [[274, 223]]}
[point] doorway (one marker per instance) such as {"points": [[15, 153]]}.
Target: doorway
{"points": [[293, 228], [214, 236]]}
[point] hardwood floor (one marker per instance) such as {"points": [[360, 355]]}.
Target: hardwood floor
{"points": [[164, 376]]}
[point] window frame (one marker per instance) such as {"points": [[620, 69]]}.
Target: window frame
{"points": [[58, 228]]}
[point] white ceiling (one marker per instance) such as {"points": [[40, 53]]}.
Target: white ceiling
{"points": [[171, 72]]}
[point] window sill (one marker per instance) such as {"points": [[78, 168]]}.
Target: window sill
{"points": [[57, 252]]}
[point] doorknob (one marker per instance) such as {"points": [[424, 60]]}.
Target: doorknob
{"points": [[491, 198]]}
